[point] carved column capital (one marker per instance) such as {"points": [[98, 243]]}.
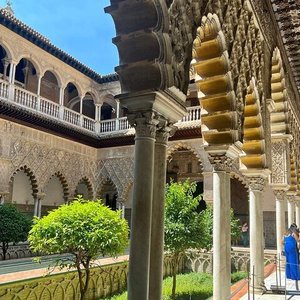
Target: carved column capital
{"points": [[256, 183], [221, 162], [290, 197], [145, 123], [279, 194]]}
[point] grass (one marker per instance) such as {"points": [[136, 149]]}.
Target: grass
{"points": [[197, 285]]}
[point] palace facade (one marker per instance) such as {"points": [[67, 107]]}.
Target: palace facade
{"points": [[207, 90]]}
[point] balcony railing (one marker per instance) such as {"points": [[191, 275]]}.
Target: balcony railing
{"points": [[53, 110]]}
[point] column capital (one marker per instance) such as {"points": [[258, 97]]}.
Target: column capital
{"points": [[279, 194], [221, 162], [290, 197], [145, 123], [256, 183], [40, 196]]}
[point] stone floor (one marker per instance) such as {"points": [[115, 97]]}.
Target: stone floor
{"points": [[292, 293]]}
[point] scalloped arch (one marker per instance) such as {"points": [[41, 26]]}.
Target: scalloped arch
{"points": [[253, 139], [31, 176], [279, 119], [214, 84]]}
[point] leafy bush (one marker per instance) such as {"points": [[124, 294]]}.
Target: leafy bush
{"points": [[84, 229], [197, 285], [14, 227], [237, 276]]}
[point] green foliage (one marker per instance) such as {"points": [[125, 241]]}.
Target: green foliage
{"points": [[198, 285], [237, 276], [207, 220], [83, 228], [14, 227], [183, 224]]}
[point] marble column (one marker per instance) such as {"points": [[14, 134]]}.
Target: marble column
{"points": [[221, 235], [61, 103], [121, 208], [297, 206], [139, 262], [158, 205], [3, 197], [291, 209], [280, 218], [98, 117], [12, 73], [38, 104], [256, 186], [118, 115]]}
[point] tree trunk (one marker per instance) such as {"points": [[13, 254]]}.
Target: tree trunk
{"points": [[174, 276], [87, 277], [81, 284], [4, 250]]}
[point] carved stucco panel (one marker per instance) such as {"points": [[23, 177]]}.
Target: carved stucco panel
{"points": [[45, 162], [118, 170], [279, 162]]}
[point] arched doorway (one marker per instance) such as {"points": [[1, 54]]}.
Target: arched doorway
{"points": [[109, 194], [23, 191], [55, 195], [184, 164], [84, 189]]}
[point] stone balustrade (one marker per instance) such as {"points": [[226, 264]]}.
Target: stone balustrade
{"points": [[43, 106]]}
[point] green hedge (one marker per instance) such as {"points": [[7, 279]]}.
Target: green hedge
{"points": [[197, 285]]}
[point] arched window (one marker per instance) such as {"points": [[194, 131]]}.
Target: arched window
{"points": [[88, 106], [26, 75], [71, 97], [49, 87]]}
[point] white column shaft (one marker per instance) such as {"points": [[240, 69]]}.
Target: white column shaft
{"points": [[256, 239], [280, 223], [297, 205], [221, 235], [291, 212]]}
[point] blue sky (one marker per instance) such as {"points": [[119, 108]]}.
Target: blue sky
{"points": [[81, 28]]}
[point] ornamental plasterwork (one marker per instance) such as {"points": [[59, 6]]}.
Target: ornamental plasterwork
{"points": [[279, 162], [183, 16], [256, 183], [45, 161], [119, 170]]}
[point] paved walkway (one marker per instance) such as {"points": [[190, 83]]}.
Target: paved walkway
{"points": [[292, 293]]}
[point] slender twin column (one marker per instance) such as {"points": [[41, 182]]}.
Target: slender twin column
{"points": [[297, 207], [147, 233], [11, 80], [38, 205], [256, 186], [139, 262], [221, 229], [280, 218], [291, 209], [158, 205], [221, 235]]}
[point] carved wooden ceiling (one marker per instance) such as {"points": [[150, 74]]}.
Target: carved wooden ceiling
{"points": [[287, 13]]}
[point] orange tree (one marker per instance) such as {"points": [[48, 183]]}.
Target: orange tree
{"points": [[14, 227], [183, 224], [85, 229]]}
